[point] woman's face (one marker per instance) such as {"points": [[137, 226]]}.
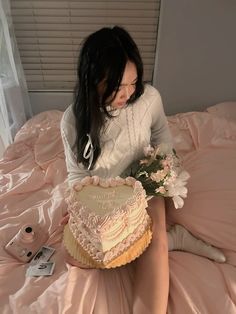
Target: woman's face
{"points": [[127, 86]]}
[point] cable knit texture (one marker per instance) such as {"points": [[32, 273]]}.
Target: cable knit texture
{"points": [[122, 138]]}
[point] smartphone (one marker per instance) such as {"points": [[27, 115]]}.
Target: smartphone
{"points": [[26, 243]]}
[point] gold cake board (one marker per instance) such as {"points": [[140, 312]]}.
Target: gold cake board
{"points": [[79, 254]]}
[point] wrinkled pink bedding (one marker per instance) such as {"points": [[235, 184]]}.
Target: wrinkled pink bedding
{"points": [[33, 186]]}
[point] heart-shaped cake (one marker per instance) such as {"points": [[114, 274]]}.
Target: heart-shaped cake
{"points": [[108, 224]]}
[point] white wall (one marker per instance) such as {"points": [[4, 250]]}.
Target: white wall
{"points": [[196, 64], [43, 101]]}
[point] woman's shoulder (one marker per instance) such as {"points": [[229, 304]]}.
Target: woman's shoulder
{"points": [[68, 121], [151, 94], [68, 117], [150, 101]]}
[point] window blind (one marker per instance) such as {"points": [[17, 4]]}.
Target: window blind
{"points": [[49, 34]]}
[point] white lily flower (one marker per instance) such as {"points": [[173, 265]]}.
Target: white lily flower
{"points": [[177, 189], [178, 201], [184, 175]]}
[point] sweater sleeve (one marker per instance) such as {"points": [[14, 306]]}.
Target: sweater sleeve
{"points": [[76, 171], [160, 132]]}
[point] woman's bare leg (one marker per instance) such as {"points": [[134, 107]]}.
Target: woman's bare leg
{"points": [[152, 270]]}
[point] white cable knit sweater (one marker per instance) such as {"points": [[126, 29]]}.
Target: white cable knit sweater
{"points": [[123, 137]]}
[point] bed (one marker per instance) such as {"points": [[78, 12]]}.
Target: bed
{"points": [[33, 187]]}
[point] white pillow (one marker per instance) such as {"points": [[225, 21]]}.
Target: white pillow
{"points": [[225, 110]]}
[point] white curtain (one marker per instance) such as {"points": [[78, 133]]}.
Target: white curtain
{"points": [[15, 107]]}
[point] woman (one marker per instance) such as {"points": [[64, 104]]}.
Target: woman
{"points": [[114, 116]]}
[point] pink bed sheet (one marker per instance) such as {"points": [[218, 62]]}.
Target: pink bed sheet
{"points": [[33, 186]]}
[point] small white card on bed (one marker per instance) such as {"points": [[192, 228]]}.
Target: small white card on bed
{"points": [[40, 265], [43, 255], [41, 269]]}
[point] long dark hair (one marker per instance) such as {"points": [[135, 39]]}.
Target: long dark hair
{"points": [[102, 59]]}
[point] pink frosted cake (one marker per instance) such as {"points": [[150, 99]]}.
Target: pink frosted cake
{"points": [[108, 225]]}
